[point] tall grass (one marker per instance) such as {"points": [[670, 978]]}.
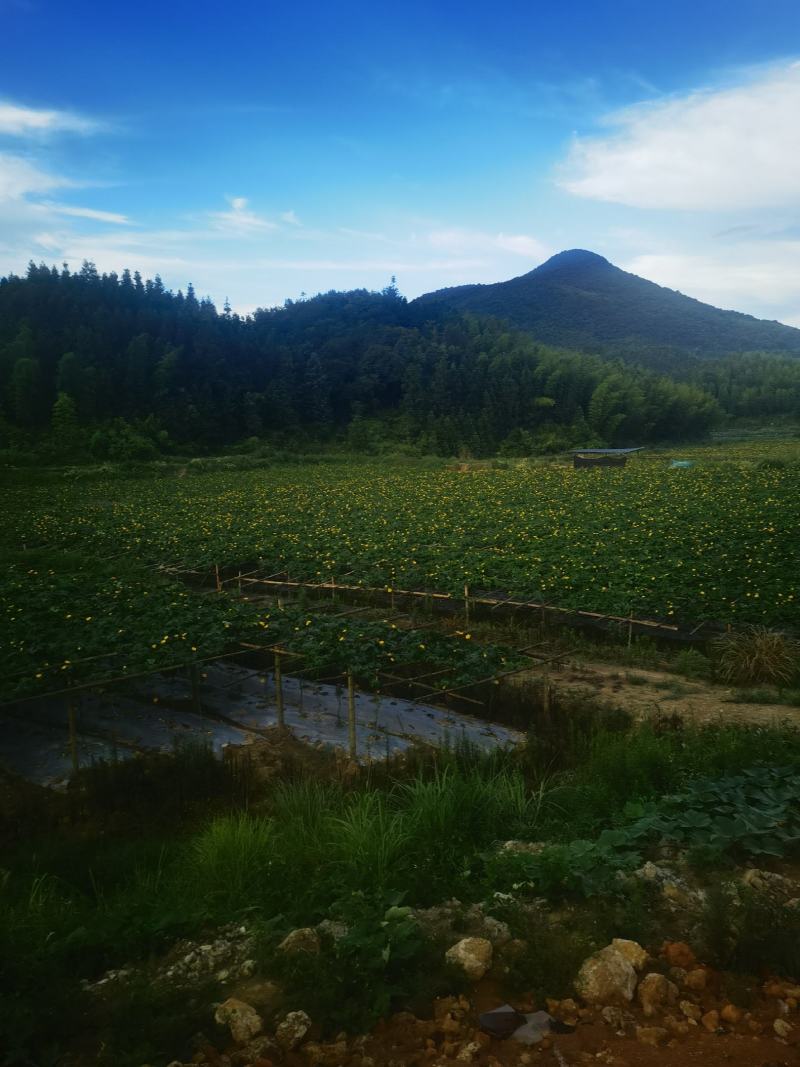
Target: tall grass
{"points": [[231, 859], [71, 907], [370, 844]]}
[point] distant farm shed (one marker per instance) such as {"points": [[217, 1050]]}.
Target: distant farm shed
{"points": [[601, 457]]}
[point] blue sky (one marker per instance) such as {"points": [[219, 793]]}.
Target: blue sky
{"points": [[262, 150]]}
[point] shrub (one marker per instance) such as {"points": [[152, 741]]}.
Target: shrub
{"points": [[382, 962], [692, 664], [757, 654]]}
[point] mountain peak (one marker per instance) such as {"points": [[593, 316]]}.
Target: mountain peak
{"points": [[573, 257], [578, 299]]}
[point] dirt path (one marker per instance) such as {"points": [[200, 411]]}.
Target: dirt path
{"points": [[647, 694]]}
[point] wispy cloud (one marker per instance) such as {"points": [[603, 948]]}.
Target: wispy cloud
{"points": [[760, 274], [19, 178], [19, 120], [711, 149], [240, 220], [87, 213], [462, 240]]}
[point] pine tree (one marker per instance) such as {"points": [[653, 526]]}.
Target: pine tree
{"points": [[64, 425]]}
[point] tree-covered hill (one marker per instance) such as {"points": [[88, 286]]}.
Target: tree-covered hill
{"points": [[579, 300], [113, 366]]}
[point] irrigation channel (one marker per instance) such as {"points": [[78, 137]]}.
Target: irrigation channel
{"points": [[44, 740]]}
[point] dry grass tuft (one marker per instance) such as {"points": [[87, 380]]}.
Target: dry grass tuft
{"points": [[757, 654]]}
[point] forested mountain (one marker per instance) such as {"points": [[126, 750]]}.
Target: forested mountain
{"points": [[579, 300], [113, 366]]}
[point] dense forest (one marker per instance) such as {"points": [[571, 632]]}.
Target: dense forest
{"points": [[109, 366], [578, 299]]}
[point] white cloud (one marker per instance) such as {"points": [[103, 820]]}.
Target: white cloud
{"points": [[88, 213], [761, 278], [464, 240], [16, 119], [239, 220], [290, 218], [730, 148], [19, 178]]}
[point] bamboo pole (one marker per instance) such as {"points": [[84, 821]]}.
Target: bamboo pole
{"points": [[279, 688], [487, 601], [351, 716], [466, 605]]}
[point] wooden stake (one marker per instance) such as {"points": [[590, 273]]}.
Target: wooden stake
{"points": [[216, 572], [279, 688], [73, 735], [466, 605], [351, 715]]}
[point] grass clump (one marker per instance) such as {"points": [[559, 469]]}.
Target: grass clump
{"points": [[693, 664], [757, 654]]}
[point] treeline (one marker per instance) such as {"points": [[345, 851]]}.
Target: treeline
{"points": [[117, 367]]}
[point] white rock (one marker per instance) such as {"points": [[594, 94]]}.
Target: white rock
{"points": [[468, 1052], [632, 951], [782, 1028], [607, 977], [293, 1029], [242, 1019], [473, 955]]}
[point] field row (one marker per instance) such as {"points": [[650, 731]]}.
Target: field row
{"points": [[719, 541]]}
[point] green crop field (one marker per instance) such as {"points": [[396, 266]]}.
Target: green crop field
{"points": [[719, 541]]}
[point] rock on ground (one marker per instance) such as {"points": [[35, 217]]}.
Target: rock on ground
{"points": [[292, 1031], [243, 1021], [651, 1035], [632, 951], [607, 977], [655, 992], [473, 955], [776, 887], [305, 939]]}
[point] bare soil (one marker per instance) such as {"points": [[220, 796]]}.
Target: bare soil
{"points": [[656, 694], [402, 1039]]}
